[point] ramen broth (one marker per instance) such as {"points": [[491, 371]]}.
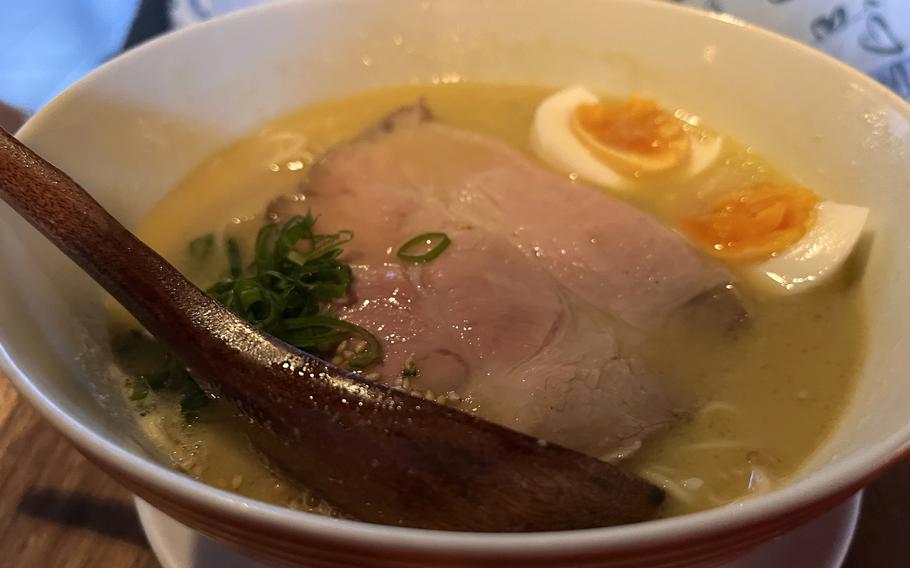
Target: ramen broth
{"points": [[764, 398]]}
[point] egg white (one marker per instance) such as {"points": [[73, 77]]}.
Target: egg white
{"points": [[553, 140], [818, 256]]}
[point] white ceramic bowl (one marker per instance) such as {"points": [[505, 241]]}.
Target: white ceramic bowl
{"points": [[132, 129]]}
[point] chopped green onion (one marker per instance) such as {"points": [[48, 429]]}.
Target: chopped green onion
{"points": [[321, 246], [265, 245], [235, 264], [409, 372], [159, 379], [286, 291], [261, 306], [315, 333], [140, 389], [424, 247], [172, 377], [192, 401], [201, 247], [295, 272], [322, 331], [297, 230]]}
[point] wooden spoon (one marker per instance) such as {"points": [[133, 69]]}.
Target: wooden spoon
{"points": [[376, 453]]}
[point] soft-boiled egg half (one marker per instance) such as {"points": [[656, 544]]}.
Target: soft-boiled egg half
{"points": [[618, 145], [785, 237]]}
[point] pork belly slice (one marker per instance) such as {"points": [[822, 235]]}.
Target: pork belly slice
{"points": [[489, 324], [534, 312]]}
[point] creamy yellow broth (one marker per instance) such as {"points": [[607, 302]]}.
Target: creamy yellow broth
{"points": [[766, 398]]}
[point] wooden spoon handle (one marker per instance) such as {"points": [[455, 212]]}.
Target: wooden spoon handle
{"points": [[376, 453]]}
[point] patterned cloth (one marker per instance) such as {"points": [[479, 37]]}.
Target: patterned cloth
{"points": [[871, 35]]}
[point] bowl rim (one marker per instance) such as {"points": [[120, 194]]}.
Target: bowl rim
{"points": [[828, 482]]}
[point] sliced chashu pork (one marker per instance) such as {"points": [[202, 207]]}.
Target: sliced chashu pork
{"points": [[534, 311]]}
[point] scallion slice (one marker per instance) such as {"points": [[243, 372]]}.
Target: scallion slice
{"points": [[287, 291], [235, 264], [201, 247], [320, 332], [424, 247]]}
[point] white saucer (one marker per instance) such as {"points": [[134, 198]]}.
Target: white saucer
{"points": [[823, 543]]}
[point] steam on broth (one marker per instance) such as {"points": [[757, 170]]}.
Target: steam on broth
{"points": [[750, 404]]}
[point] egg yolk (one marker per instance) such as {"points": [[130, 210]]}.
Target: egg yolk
{"points": [[756, 222], [635, 134]]}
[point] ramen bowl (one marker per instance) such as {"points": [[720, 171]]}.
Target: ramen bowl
{"points": [[132, 129]]}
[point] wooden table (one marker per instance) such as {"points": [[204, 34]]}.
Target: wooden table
{"points": [[57, 510]]}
